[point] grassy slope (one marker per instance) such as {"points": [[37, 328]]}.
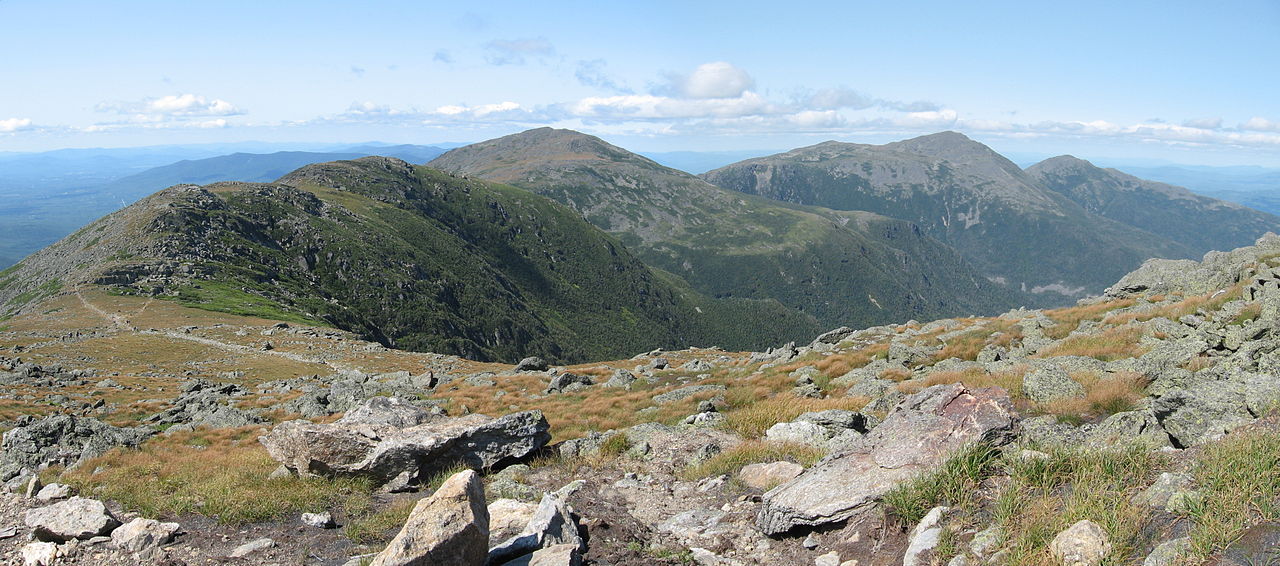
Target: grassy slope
{"points": [[416, 259], [843, 268]]}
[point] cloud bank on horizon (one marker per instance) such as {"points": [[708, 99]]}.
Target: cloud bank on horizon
{"points": [[477, 75]]}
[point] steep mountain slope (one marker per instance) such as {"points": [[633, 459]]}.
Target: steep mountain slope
{"points": [[410, 257], [965, 194], [1200, 222], [841, 267]]}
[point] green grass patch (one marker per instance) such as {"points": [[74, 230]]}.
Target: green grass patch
{"points": [[1239, 482], [953, 483], [1046, 496], [225, 297], [172, 475]]}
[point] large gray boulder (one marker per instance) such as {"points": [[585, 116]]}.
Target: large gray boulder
{"points": [[75, 518], [204, 403], [450, 527], [63, 440], [1050, 383], [383, 452], [921, 431], [391, 411], [1203, 413]]}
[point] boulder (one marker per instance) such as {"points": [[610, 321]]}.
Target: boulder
{"points": [[567, 383], [532, 363], [64, 440], [621, 379], [553, 523], [1203, 413], [798, 433], [834, 336], [54, 492], [389, 411], [921, 431], [769, 475], [450, 527], [507, 517], [140, 535], [205, 403], [1082, 544], [384, 452], [1050, 383], [75, 518], [1168, 552], [1129, 426]]}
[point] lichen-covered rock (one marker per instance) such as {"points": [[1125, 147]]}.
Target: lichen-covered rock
{"points": [[1082, 544], [1203, 413], [1050, 383], [918, 433]]}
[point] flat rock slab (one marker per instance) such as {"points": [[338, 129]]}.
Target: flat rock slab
{"points": [[383, 452], [920, 432], [450, 527], [75, 518]]}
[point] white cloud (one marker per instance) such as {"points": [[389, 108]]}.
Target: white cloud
{"points": [[514, 51], [1260, 124], [14, 124], [172, 106], [714, 80], [928, 119], [649, 107], [1204, 123]]}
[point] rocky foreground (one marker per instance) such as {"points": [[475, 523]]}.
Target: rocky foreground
{"points": [[1135, 428]]}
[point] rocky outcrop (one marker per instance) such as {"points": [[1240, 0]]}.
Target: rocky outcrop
{"points": [[61, 440], [384, 452], [919, 432]]}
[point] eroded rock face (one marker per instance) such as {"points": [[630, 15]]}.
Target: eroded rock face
{"points": [[65, 440], [921, 431], [383, 452], [450, 527]]}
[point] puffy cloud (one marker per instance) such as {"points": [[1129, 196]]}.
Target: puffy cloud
{"points": [[507, 109], [1260, 124], [1204, 123], [836, 98], [174, 105], [714, 80], [14, 124], [514, 51], [928, 119], [649, 107]]}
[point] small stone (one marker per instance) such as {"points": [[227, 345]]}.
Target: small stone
{"points": [[829, 559], [33, 487], [139, 535], [1167, 553], [319, 520], [39, 554], [252, 547], [1082, 544], [54, 492], [925, 537], [810, 542]]}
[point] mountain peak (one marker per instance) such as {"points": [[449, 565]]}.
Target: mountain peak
{"points": [[508, 158], [1063, 162]]}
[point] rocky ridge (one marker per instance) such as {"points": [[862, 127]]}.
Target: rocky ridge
{"points": [[1069, 436]]}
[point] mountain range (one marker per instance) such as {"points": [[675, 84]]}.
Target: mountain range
{"points": [[1060, 230], [558, 244]]}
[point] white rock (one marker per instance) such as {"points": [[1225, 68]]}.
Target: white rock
{"points": [[319, 520], [54, 492], [252, 547], [75, 518], [508, 516], [39, 554], [142, 534], [1082, 544], [924, 537], [829, 559], [449, 527]]}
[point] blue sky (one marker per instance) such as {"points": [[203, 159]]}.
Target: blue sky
{"points": [[1188, 82]]}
